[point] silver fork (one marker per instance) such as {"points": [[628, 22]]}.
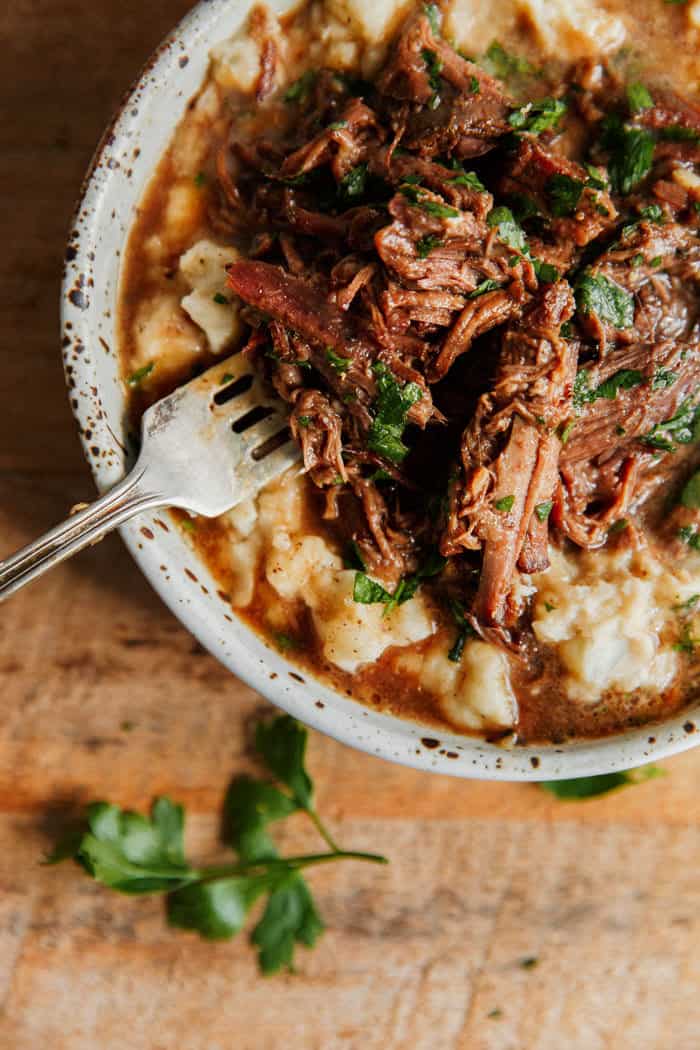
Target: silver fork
{"points": [[206, 447]]}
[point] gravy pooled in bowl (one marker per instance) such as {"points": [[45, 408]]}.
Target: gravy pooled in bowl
{"points": [[464, 248]]}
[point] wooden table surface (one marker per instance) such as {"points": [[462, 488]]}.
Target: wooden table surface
{"points": [[104, 694]]}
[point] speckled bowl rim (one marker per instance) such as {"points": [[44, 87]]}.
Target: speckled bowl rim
{"points": [[112, 188]]}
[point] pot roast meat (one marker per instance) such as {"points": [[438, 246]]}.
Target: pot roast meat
{"points": [[439, 102], [371, 244], [656, 267], [575, 209], [510, 452]]}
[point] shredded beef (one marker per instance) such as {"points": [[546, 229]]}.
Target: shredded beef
{"points": [[483, 342]]}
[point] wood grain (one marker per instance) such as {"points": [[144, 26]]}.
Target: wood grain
{"points": [[105, 695]]}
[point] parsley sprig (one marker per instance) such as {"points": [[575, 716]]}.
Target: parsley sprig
{"points": [[138, 854]]}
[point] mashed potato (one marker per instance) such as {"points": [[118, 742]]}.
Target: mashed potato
{"points": [[605, 615]]}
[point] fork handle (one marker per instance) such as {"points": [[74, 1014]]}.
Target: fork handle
{"points": [[87, 526]]}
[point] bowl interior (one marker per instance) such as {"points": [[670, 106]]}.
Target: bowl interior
{"points": [[126, 157]]}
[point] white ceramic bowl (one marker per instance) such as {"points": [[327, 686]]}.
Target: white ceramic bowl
{"points": [[122, 166]]}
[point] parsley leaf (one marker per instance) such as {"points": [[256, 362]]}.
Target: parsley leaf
{"points": [[432, 13], [504, 504], [136, 854], [631, 153], [505, 65], [538, 116], [489, 285], [391, 409], [132, 853], [638, 97], [564, 193], [543, 510], [663, 378], [509, 230], [681, 429], [469, 179], [338, 363], [690, 496], [289, 917], [300, 90], [216, 910], [625, 379], [367, 591], [465, 631], [679, 133], [588, 787], [425, 245], [597, 294], [140, 374], [354, 183]]}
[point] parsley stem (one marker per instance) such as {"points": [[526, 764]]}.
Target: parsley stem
{"points": [[323, 830], [305, 860]]}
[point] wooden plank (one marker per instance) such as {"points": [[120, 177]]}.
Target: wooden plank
{"points": [[106, 695]]}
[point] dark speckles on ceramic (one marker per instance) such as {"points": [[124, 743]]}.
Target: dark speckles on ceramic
{"points": [[127, 155]]}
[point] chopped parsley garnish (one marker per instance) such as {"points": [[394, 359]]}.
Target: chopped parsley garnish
{"points": [[489, 285], [433, 65], [504, 504], [442, 211], [545, 271], [200, 179], [220, 299], [353, 557], [543, 510], [656, 261], [304, 421], [625, 379], [679, 133], [353, 184], [689, 603], [686, 643], [663, 378], [340, 364], [474, 85], [509, 230], [597, 294], [690, 496], [425, 245], [618, 526], [138, 854], [469, 179], [564, 193], [638, 97], [596, 179], [681, 429], [140, 374], [300, 90], [367, 591], [538, 116], [690, 536], [337, 125], [505, 65], [652, 213], [432, 13], [391, 409], [631, 153], [417, 196], [464, 629], [636, 260], [285, 642], [588, 787]]}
